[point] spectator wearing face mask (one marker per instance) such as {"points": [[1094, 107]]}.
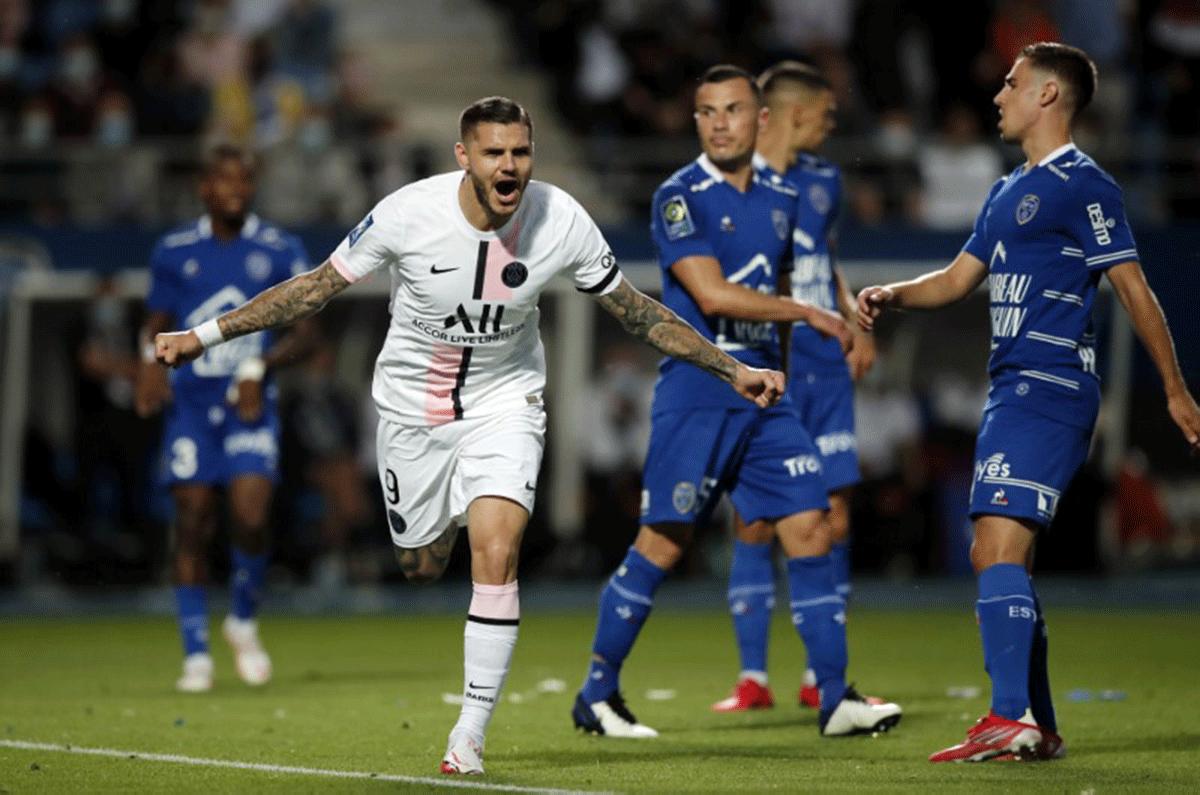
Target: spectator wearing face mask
{"points": [[78, 84]]}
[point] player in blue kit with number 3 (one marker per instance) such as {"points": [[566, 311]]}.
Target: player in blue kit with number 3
{"points": [[723, 233], [1044, 237], [222, 424]]}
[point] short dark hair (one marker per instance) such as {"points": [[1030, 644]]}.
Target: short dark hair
{"points": [[793, 73], [496, 110], [1070, 65], [722, 72], [217, 154]]}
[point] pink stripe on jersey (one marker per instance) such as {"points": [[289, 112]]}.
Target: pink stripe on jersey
{"points": [[340, 267], [500, 253], [440, 380], [495, 601]]}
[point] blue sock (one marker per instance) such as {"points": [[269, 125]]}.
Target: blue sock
{"points": [[1007, 612], [820, 617], [624, 606], [840, 552], [751, 599], [1040, 700], [191, 609], [246, 581]]}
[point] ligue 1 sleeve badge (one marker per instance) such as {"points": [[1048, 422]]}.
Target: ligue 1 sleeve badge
{"points": [[1027, 207]]}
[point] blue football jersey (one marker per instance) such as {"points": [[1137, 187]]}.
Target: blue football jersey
{"points": [[1047, 235], [195, 277], [696, 212], [818, 184]]}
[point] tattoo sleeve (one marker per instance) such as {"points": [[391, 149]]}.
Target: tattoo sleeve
{"points": [[425, 564], [300, 296], [648, 320]]}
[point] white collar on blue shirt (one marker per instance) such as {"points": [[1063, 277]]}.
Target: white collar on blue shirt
{"points": [[249, 226]]}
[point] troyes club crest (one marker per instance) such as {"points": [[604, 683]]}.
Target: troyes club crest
{"points": [[1027, 207]]}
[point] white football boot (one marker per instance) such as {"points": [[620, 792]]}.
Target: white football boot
{"points": [[463, 755], [609, 717], [856, 715], [253, 664], [197, 674]]}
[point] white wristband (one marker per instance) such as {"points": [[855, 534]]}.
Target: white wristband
{"points": [[252, 369], [148, 354], [209, 333]]}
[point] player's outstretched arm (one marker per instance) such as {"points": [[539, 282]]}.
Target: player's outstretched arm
{"points": [[648, 320], [1147, 317], [300, 296], [928, 291]]}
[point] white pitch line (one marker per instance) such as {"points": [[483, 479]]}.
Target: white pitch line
{"points": [[457, 783]]}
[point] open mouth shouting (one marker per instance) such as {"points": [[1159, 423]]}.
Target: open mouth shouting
{"points": [[508, 192]]}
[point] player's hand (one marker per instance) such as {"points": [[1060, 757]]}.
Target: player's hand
{"points": [[862, 357], [1182, 407], [762, 387], [151, 390], [871, 302], [177, 348], [831, 324]]}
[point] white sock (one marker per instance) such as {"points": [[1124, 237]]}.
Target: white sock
{"points": [[489, 637]]}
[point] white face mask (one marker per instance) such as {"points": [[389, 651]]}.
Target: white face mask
{"points": [[36, 130]]}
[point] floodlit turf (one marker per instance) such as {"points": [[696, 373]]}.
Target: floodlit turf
{"points": [[366, 695]]}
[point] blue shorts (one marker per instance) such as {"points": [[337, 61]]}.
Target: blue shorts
{"points": [[206, 442], [826, 408], [1023, 464], [763, 459]]}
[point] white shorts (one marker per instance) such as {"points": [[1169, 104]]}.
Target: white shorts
{"points": [[430, 474]]}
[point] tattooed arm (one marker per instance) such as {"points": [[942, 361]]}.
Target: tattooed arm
{"points": [[300, 296], [648, 320]]}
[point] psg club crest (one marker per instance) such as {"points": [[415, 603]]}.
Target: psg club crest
{"points": [[780, 221], [818, 197], [1027, 207], [514, 274], [363, 226], [684, 496]]}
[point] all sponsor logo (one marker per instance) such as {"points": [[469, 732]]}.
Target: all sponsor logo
{"points": [[994, 466]]}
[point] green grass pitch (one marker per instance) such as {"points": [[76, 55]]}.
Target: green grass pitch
{"points": [[367, 694]]}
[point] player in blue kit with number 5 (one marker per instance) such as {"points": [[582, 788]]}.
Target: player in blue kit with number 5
{"points": [[1046, 234], [723, 232], [222, 423]]}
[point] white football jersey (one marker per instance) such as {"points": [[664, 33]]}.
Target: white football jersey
{"points": [[463, 340]]}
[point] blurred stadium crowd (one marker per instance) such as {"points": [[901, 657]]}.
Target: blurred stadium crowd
{"points": [[105, 105]]}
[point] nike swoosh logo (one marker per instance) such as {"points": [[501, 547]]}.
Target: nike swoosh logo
{"points": [[436, 269], [474, 686], [528, 487]]}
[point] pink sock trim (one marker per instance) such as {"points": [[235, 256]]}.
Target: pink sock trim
{"points": [[495, 601]]}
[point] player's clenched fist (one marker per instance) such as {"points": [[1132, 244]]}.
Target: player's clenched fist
{"points": [[176, 348], [871, 302], [763, 387]]}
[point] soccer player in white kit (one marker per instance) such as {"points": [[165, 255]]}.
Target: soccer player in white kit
{"points": [[460, 377]]}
